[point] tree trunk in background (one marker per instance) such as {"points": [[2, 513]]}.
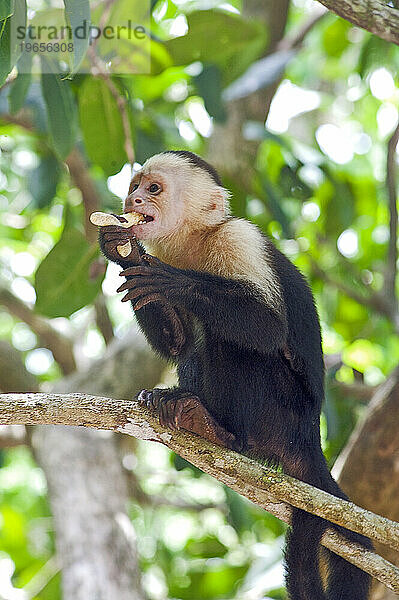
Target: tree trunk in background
{"points": [[87, 488], [368, 468], [228, 150]]}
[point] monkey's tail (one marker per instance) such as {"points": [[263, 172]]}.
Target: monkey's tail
{"points": [[343, 580]]}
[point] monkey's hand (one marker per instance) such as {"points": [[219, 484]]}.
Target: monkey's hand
{"points": [[153, 281], [173, 330], [178, 409], [113, 237]]}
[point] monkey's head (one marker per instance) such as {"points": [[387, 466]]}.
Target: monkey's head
{"points": [[176, 191]]}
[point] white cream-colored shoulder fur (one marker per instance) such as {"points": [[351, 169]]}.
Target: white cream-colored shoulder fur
{"points": [[236, 250]]}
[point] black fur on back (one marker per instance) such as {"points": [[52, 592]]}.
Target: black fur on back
{"points": [[199, 162]]}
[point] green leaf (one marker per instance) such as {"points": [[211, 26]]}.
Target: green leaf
{"points": [[10, 44], [20, 86], [335, 37], [61, 111], [77, 13], [62, 280], [209, 85], [43, 181], [102, 127], [224, 39], [375, 53], [6, 9]]}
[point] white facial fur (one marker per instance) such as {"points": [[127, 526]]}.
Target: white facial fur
{"points": [[190, 200]]}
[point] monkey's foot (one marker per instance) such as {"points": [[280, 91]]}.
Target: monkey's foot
{"points": [[183, 410]]}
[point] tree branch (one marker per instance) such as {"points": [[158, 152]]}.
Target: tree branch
{"points": [[59, 345], [373, 300], [373, 15], [360, 391], [263, 486], [90, 196], [103, 320]]}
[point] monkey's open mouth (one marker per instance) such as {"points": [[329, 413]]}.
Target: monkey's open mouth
{"points": [[147, 219]]}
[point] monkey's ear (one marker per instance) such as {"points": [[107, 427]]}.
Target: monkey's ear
{"points": [[219, 200]]}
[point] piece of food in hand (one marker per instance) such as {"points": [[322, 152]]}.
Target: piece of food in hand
{"points": [[124, 249], [104, 220]]}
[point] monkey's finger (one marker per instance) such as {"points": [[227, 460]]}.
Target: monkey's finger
{"points": [[137, 270], [115, 236], [151, 260], [143, 270], [141, 291], [144, 281], [148, 299], [141, 283]]}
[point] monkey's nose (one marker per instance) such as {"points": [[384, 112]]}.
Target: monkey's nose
{"points": [[130, 203]]}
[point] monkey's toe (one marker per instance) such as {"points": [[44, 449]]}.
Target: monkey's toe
{"points": [[178, 409]]}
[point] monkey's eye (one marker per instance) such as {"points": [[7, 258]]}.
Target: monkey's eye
{"points": [[154, 188], [134, 187]]}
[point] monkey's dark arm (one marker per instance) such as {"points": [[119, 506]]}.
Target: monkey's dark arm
{"points": [[230, 309], [160, 322]]}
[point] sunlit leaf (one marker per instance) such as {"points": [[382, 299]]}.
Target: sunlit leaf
{"points": [[62, 279], [10, 44], [102, 127], [20, 86], [77, 13], [209, 85], [43, 181], [335, 37], [224, 39], [61, 111]]}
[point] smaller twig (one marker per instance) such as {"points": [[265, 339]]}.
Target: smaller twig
{"points": [[77, 169], [391, 273], [373, 300], [103, 320], [294, 41], [90, 196], [359, 391], [59, 345]]}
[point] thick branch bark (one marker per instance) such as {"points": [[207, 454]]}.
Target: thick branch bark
{"points": [[263, 486], [373, 15], [368, 466]]}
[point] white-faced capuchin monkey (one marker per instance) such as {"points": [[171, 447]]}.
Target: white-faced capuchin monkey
{"points": [[215, 296]]}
